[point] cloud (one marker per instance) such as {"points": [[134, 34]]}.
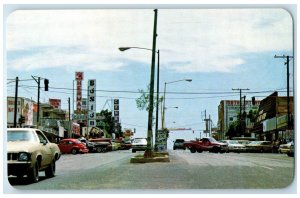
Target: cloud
{"points": [[202, 40]]}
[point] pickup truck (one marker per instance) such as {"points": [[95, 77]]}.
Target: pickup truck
{"points": [[205, 144]]}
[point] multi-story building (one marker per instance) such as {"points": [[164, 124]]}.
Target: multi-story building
{"points": [[272, 120], [52, 118], [228, 112]]}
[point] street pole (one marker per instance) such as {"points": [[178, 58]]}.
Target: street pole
{"points": [[148, 152], [16, 102], [163, 109], [38, 103], [242, 130], [288, 86], [157, 98]]}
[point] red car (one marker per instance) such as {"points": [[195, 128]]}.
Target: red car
{"points": [[73, 146]]}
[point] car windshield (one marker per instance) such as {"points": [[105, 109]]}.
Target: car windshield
{"points": [[140, 141], [179, 141], [254, 143], [20, 136], [233, 142]]}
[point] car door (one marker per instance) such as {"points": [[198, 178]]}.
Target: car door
{"points": [[45, 149]]}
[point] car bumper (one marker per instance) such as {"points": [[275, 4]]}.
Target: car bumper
{"points": [[18, 168], [139, 148]]}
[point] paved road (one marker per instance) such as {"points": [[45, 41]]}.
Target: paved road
{"points": [[112, 171]]}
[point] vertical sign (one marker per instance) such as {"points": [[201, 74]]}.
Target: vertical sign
{"points": [[116, 113], [79, 79], [92, 103]]}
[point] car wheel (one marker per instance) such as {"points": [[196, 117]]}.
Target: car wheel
{"points": [[193, 150], [199, 151], [99, 150], [215, 149], [74, 151], [33, 174], [50, 171]]}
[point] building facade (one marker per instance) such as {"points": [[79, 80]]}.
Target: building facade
{"points": [[272, 121], [228, 112]]}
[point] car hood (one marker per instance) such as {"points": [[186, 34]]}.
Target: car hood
{"points": [[21, 146]]}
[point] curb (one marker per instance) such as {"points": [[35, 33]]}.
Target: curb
{"points": [[136, 159]]}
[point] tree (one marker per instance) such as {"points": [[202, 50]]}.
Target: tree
{"points": [[142, 102], [108, 121]]}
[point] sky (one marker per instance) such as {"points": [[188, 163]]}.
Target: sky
{"points": [[219, 49]]}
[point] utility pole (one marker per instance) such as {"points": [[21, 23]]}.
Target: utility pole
{"points": [[38, 101], [70, 129], [148, 152], [288, 86], [242, 130], [16, 102], [157, 98]]}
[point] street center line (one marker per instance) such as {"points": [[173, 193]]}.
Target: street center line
{"points": [[266, 167]]}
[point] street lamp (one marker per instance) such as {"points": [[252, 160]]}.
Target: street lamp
{"points": [[122, 49], [164, 99]]}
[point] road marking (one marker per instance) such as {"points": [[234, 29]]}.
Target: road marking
{"points": [[266, 167]]}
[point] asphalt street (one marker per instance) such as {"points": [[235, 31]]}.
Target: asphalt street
{"points": [[186, 171]]}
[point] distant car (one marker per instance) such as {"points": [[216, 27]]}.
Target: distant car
{"points": [[104, 141], [285, 148], [71, 145], [28, 152], [93, 147], [234, 146], [178, 144], [291, 151], [139, 144], [126, 145], [259, 146]]}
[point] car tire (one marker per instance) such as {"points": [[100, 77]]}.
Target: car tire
{"points": [[74, 151], [33, 174], [99, 150], [215, 149], [193, 150], [199, 151], [50, 170]]}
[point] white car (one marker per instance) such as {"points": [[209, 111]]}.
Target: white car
{"points": [[28, 152], [234, 146], [139, 144]]}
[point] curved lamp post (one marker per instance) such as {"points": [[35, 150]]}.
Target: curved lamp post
{"points": [[122, 49], [164, 99]]}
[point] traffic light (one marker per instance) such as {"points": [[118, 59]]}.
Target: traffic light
{"points": [[253, 100], [46, 83]]}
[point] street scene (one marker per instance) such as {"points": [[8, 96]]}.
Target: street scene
{"points": [[149, 99]]}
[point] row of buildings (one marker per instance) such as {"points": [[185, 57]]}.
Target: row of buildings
{"points": [[270, 121]]}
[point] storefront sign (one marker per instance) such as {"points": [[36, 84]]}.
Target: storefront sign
{"points": [[79, 79], [282, 121], [92, 103], [55, 103]]}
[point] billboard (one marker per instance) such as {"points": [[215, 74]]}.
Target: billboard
{"points": [[55, 103]]}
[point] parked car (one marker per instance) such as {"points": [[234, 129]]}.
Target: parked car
{"points": [[234, 146], [94, 147], [28, 152], [259, 146], [139, 144], [285, 148], [71, 145], [126, 145], [104, 141], [291, 151], [178, 144]]}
